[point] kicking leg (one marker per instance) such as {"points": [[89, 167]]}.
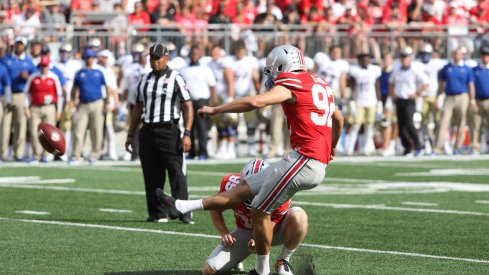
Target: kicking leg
{"points": [[221, 201]]}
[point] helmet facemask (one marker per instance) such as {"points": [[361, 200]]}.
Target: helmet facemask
{"points": [[285, 58]]}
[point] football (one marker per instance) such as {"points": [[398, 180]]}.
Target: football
{"points": [[51, 139]]}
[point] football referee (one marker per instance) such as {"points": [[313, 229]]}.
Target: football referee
{"points": [[162, 95]]}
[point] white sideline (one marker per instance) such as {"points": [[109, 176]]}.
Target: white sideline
{"points": [[131, 229]]}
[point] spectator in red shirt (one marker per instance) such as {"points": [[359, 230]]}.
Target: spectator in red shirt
{"points": [[230, 7], [81, 5], [246, 13], [151, 5], [189, 20], [480, 13], [220, 17], [454, 17], [376, 10], [164, 13], [139, 17], [306, 5]]}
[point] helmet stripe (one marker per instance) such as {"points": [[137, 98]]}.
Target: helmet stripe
{"points": [[301, 57], [257, 166]]}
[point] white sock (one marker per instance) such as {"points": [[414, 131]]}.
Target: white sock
{"points": [[262, 265], [186, 206], [353, 139], [286, 253]]}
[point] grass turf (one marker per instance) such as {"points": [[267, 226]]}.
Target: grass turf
{"points": [[348, 211]]}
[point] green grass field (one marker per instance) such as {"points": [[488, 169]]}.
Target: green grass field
{"points": [[369, 216]]}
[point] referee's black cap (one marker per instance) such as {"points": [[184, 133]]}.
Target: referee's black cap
{"points": [[158, 50]]}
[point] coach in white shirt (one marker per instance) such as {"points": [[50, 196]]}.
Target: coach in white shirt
{"points": [[201, 83], [406, 83]]}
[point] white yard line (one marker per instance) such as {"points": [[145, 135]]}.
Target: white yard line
{"points": [[32, 180], [446, 172], [419, 203], [114, 210], [396, 253], [332, 205], [482, 202], [392, 208], [320, 246], [32, 212]]}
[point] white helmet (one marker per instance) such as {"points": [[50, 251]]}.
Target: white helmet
{"points": [[285, 58], [252, 167]]}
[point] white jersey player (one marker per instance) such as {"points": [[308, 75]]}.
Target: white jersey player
{"points": [[246, 81], [334, 71], [431, 65], [69, 66], [222, 67], [365, 96], [111, 91]]}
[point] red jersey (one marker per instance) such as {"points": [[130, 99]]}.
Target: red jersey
{"points": [[242, 211], [309, 119]]}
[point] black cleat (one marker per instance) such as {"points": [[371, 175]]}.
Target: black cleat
{"points": [[187, 219], [169, 202], [283, 267]]}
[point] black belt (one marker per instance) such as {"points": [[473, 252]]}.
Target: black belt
{"points": [[167, 124], [17, 91], [482, 99]]}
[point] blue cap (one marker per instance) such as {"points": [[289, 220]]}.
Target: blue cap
{"points": [[89, 53]]}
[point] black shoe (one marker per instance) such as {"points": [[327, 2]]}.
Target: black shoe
{"points": [[187, 219], [173, 215], [168, 201]]}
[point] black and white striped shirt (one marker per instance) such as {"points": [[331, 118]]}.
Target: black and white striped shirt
{"points": [[161, 95]]}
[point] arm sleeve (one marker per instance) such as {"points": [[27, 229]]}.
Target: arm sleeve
{"points": [[471, 78], [139, 93], [182, 88], [392, 78], [442, 74], [76, 81]]}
